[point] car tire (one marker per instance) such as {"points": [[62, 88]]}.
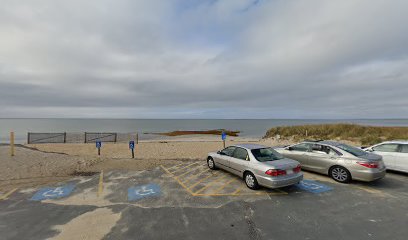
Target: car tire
{"points": [[340, 174], [250, 181], [211, 163]]}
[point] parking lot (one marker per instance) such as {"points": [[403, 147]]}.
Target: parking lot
{"points": [[187, 200]]}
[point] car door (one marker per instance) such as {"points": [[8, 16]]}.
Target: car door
{"points": [[299, 153], [388, 152], [223, 157], [401, 158], [321, 158], [239, 161]]}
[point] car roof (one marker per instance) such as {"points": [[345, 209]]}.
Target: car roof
{"points": [[331, 143], [396, 141], [250, 146]]}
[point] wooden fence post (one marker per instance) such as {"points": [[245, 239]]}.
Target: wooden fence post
{"points": [[12, 144]]}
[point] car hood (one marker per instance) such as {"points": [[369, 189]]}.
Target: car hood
{"points": [[371, 157], [283, 164]]}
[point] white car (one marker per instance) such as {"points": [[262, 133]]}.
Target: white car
{"points": [[394, 153]]}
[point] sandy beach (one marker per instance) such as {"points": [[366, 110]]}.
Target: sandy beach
{"points": [[37, 164]]}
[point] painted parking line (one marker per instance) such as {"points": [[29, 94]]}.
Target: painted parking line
{"points": [[201, 180], [192, 176], [53, 192], [218, 183], [210, 184], [224, 185], [178, 180], [313, 186], [144, 191], [184, 167], [373, 191], [175, 166], [100, 185], [6, 195], [185, 173]]}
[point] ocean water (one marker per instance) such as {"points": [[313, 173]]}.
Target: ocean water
{"points": [[248, 127]]}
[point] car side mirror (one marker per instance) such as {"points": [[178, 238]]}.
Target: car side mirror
{"points": [[289, 148], [221, 153]]}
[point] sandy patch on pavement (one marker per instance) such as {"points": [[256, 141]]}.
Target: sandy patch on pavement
{"points": [[91, 225]]}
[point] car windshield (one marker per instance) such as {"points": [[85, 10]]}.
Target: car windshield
{"points": [[352, 150], [266, 154]]}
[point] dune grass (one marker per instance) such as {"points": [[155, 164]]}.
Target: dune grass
{"points": [[365, 135]]}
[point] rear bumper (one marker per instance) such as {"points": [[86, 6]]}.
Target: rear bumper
{"points": [[368, 175], [281, 181]]}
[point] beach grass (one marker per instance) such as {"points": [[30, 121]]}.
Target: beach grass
{"points": [[365, 135]]}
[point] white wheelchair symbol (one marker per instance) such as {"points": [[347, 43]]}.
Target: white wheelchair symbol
{"points": [[54, 192], [143, 191], [312, 186]]}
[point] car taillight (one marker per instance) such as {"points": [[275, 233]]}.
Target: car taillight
{"points": [[275, 172], [297, 169], [368, 164]]}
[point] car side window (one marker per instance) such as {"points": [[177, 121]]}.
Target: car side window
{"points": [[240, 153], [317, 148], [386, 148], [404, 148], [228, 151], [302, 147]]}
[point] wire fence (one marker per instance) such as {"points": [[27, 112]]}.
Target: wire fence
{"points": [[104, 137], [46, 137]]}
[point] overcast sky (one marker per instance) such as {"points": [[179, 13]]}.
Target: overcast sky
{"points": [[204, 59]]}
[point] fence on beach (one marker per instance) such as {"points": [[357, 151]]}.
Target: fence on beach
{"points": [[46, 137], [79, 137], [104, 137]]}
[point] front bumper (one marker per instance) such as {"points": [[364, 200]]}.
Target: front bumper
{"points": [[281, 181]]}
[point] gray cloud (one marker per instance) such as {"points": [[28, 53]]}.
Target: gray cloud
{"points": [[204, 59]]}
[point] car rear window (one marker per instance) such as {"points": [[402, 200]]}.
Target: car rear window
{"points": [[352, 150], [266, 154]]}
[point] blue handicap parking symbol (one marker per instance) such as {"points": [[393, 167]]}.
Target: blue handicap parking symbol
{"points": [[139, 192], [223, 136], [313, 186], [53, 192], [132, 144], [98, 144]]}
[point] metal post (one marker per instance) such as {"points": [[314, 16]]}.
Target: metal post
{"points": [[133, 153], [99, 151], [28, 138], [12, 144], [65, 137], [137, 138], [223, 141]]}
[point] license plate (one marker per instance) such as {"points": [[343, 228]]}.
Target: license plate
{"points": [[289, 171]]}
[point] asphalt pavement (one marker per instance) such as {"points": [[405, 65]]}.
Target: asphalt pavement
{"points": [[174, 202]]}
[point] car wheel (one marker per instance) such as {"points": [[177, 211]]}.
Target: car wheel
{"points": [[340, 174], [211, 164], [251, 181]]}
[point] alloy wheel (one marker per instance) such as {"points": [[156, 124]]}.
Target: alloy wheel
{"points": [[339, 174], [250, 181], [210, 163]]}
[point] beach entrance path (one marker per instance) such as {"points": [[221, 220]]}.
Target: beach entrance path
{"points": [[187, 200]]}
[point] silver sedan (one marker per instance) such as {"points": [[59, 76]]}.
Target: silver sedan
{"points": [[257, 165], [340, 161]]}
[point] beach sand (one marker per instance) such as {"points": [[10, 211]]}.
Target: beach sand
{"points": [[38, 164]]}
